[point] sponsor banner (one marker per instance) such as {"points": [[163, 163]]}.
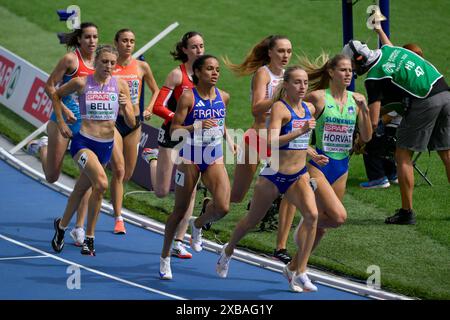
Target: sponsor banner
{"points": [[22, 88]]}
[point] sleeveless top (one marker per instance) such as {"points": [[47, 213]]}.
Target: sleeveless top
{"points": [[100, 102], [334, 130], [130, 74], [302, 141]]}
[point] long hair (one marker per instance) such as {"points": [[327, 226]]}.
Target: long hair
{"points": [[178, 53], [71, 39], [280, 91], [317, 70], [256, 57], [198, 64]]}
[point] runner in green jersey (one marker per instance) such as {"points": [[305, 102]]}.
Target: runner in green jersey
{"points": [[338, 112], [426, 124]]}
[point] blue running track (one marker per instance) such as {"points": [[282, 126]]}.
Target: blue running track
{"points": [[126, 267]]}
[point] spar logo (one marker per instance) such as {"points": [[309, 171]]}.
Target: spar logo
{"points": [[6, 71], [13, 82], [38, 103]]}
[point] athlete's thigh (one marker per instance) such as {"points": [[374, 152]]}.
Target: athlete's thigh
{"points": [[89, 165], [301, 194], [57, 146], [339, 186], [217, 182], [130, 151], [264, 193]]}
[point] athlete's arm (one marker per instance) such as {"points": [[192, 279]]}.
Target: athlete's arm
{"points": [[74, 85], [260, 104], [125, 104], [364, 123], [152, 85], [67, 64], [184, 104], [160, 106]]}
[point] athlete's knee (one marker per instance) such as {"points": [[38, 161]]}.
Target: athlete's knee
{"points": [[52, 177], [339, 217], [161, 191], [101, 185], [119, 173], [310, 218], [222, 208]]}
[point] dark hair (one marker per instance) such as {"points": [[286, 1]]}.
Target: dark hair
{"points": [[178, 53], [256, 58], [71, 39], [118, 33], [414, 48], [198, 64]]}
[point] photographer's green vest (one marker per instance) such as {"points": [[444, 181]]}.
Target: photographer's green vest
{"points": [[406, 70]]}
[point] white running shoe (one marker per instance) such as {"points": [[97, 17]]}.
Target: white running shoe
{"points": [[196, 236], [223, 264], [78, 236], [34, 146], [289, 275], [165, 273], [304, 282], [179, 250]]}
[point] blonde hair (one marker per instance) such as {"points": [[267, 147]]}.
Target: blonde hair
{"points": [[317, 70], [257, 57], [280, 91]]}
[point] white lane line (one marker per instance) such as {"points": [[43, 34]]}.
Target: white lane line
{"points": [[91, 270], [20, 258]]}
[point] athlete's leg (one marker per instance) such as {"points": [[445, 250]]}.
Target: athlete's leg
{"points": [[52, 156], [130, 152], [286, 215], [186, 179], [302, 196], [244, 172], [264, 194], [216, 181], [118, 173], [161, 173]]}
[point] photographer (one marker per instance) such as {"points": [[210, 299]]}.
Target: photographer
{"points": [[426, 122]]}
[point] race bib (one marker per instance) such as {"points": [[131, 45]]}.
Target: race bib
{"points": [[337, 137], [301, 142], [101, 106], [212, 136]]}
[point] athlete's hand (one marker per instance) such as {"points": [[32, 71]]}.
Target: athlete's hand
{"points": [[64, 129], [361, 102], [123, 100], [321, 159], [68, 114], [147, 115], [309, 125], [208, 124]]}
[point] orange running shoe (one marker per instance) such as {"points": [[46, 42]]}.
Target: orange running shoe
{"points": [[119, 227]]}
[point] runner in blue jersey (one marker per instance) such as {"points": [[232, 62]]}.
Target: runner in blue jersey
{"points": [[290, 127], [200, 119]]}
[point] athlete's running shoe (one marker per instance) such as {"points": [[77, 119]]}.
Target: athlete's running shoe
{"points": [[78, 235], [34, 146], [206, 200], [223, 264], [304, 282], [179, 250], [119, 227], [88, 247], [282, 255], [58, 238], [165, 273], [149, 154], [289, 275], [196, 236]]}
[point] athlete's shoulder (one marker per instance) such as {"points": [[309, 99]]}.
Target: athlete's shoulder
{"points": [[174, 78]]}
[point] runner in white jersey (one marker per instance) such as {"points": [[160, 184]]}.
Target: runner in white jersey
{"points": [[266, 61]]}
